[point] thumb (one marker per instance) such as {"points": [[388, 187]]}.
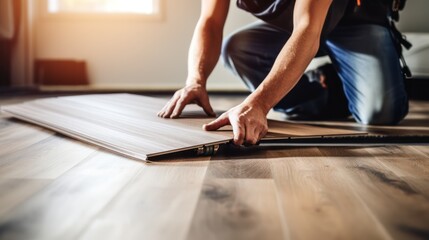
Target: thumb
{"points": [[216, 124]]}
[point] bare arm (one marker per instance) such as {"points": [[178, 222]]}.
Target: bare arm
{"points": [[207, 40], [248, 119], [203, 55], [309, 16]]}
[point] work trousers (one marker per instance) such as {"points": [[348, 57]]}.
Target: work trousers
{"points": [[363, 56]]}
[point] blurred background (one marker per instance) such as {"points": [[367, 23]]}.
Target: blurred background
{"points": [[127, 45]]}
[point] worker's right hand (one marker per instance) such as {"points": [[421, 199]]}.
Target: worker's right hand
{"points": [[192, 93]]}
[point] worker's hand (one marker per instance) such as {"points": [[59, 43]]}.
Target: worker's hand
{"points": [[193, 93], [249, 123]]}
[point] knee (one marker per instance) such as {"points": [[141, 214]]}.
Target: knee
{"points": [[231, 48], [382, 112]]}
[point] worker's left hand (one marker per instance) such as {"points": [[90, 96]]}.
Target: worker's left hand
{"points": [[249, 123]]}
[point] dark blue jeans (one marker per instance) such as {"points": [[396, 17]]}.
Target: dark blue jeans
{"points": [[364, 57]]}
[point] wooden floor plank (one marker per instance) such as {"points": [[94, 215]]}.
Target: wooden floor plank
{"points": [[423, 149], [316, 202], [124, 123], [232, 162], [158, 204], [15, 191], [46, 160], [237, 209], [5, 121], [65, 207], [52, 187], [411, 166], [16, 136], [402, 209]]}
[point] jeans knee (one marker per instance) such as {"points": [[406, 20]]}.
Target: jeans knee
{"points": [[230, 49], [388, 114]]}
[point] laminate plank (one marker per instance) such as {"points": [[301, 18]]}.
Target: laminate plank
{"points": [[237, 209], [15, 191], [250, 193], [65, 207], [17, 136], [157, 204], [44, 160], [401, 208], [296, 129], [121, 122], [423, 149], [128, 124], [411, 166], [317, 201], [236, 162], [4, 121]]}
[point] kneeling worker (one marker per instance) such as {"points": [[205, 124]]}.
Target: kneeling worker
{"points": [[271, 55]]}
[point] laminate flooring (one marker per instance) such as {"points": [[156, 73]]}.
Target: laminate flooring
{"points": [[54, 187], [128, 124]]}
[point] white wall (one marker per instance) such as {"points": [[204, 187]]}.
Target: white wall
{"points": [[134, 53], [153, 53], [414, 17], [413, 22]]}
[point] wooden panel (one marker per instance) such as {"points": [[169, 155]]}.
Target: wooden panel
{"points": [[65, 207], [301, 130], [121, 122], [408, 164], [45, 160], [16, 191], [237, 209], [17, 136], [234, 162], [157, 204], [52, 187], [317, 200], [128, 124], [400, 207]]}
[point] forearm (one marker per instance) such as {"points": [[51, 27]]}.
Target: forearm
{"points": [[288, 68], [204, 52]]}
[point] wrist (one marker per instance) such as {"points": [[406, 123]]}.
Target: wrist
{"points": [[255, 101], [195, 81]]}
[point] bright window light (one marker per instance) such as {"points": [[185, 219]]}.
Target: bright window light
{"points": [[103, 6]]}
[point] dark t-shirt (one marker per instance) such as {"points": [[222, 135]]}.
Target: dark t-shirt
{"points": [[341, 12]]}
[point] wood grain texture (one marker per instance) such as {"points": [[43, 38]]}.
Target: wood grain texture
{"points": [[16, 136], [317, 201], [387, 196], [16, 191], [65, 207], [120, 122], [237, 209], [158, 203], [128, 124], [47, 159], [53, 187]]}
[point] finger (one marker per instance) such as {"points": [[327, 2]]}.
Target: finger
{"points": [[239, 132], [262, 133], [216, 124], [205, 104], [161, 112], [170, 107], [252, 134], [180, 105]]}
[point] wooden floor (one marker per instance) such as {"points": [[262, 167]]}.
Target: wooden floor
{"points": [[53, 187]]}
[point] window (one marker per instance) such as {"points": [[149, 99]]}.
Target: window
{"points": [[102, 7]]}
